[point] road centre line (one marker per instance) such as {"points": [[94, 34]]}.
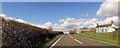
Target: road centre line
{"points": [[76, 40]]}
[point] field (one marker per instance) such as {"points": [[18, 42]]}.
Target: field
{"points": [[111, 37]]}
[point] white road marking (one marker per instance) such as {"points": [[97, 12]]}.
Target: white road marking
{"points": [[70, 36], [78, 41], [56, 41]]}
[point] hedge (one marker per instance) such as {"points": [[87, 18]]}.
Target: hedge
{"points": [[19, 35]]}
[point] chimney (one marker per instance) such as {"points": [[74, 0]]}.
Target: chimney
{"points": [[97, 24], [112, 22]]}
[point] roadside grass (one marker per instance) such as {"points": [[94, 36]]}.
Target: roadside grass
{"points": [[52, 41], [111, 38]]}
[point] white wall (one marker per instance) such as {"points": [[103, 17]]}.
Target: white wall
{"points": [[104, 29]]}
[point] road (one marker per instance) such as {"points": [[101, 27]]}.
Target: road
{"points": [[74, 41]]}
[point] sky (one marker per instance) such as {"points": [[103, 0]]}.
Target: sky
{"points": [[53, 0], [0, 7], [63, 15], [41, 12]]}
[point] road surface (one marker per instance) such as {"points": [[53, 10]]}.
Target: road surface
{"points": [[74, 41]]}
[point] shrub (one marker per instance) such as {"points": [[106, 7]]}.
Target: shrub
{"points": [[17, 35]]}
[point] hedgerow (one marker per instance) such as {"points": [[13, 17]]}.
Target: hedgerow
{"points": [[19, 35]]}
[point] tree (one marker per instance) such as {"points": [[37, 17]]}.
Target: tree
{"points": [[73, 31], [93, 30]]}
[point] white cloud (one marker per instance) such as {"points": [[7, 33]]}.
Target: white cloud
{"points": [[90, 23], [2, 15], [109, 8], [20, 20], [61, 20], [108, 20], [86, 14], [48, 25], [72, 23], [67, 20], [112, 0], [10, 18], [58, 27]]}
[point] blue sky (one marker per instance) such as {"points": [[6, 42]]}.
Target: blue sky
{"points": [[42, 12], [53, 0], [0, 7]]}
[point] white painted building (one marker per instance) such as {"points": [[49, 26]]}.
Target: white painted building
{"points": [[105, 28]]}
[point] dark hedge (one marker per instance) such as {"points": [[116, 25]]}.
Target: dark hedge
{"points": [[20, 35]]}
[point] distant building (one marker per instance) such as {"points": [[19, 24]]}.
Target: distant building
{"points": [[78, 31], [105, 27], [85, 29], [66, 32]]}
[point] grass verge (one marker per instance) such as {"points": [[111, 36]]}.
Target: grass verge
{"points": [[52, 41], [99, 37]]}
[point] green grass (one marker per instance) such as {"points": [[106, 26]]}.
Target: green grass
{"points": [[52, 41], [105, 37]]}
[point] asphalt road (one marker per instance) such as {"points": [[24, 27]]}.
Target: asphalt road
{"points": [[74, 41]]}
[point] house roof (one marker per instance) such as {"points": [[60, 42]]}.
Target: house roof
{"points": [[104, 25]]}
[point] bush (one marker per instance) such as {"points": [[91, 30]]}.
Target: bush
{"points": [[16, 34]]}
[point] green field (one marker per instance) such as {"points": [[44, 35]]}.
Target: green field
{"points": [[111, 37]]}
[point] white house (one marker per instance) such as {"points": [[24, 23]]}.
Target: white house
{"points": [[110, 27]]}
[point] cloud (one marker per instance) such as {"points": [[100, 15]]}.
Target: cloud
{"points": [[86, 14], [6, 17], [112, 0], [10, 18], [20, 20], [2, 15], [58, 27], [109, 8], [48, 25], [108, 20], [69, 23], [90, 21], [67, 20], [72, 23], [93, 25]]}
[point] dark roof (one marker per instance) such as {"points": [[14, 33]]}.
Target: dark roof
{"points": [[105, 25]]}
